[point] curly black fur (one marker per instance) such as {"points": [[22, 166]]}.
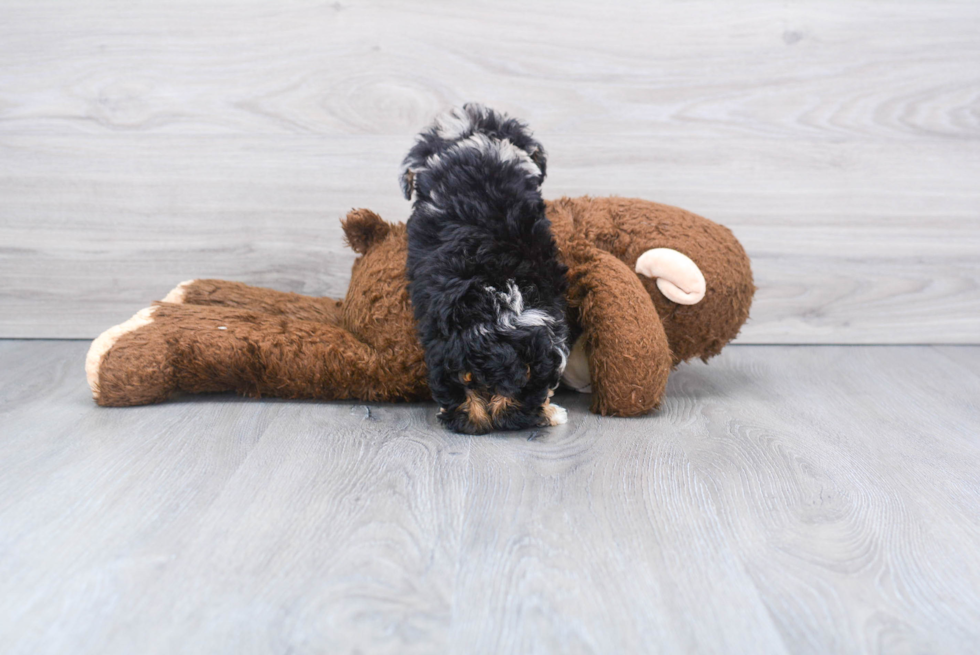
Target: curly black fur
{"points": [[486, 284]]}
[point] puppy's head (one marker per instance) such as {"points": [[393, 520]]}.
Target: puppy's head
{"points": [[501, 372], [472, 127]]}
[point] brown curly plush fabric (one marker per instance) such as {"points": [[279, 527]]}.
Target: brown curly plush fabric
{"points": [[627, 227], [629, 356], [227, 336]]}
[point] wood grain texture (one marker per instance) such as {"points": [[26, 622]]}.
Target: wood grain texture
{"points": [[142, 145], [785, 499]]}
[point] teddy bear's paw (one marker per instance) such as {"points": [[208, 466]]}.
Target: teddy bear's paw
{"points": [[128, 364], [104, 343], [576, 374], [178, 293], [678, 277]]}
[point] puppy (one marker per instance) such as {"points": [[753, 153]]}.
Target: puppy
{"points": [[487, 288]]}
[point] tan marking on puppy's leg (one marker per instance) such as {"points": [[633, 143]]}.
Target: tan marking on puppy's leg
{"points": [[499, 406], [476, 409], [554, 414], [105, 341], [177, 294]]}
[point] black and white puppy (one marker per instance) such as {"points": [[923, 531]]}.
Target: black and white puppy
{"points": [[486, 284]]}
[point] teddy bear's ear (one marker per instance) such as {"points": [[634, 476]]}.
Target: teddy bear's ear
{"points": [[678, 277], [408, 182], [363, 228]]}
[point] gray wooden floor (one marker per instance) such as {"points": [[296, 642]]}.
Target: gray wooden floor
{"points": [[787, 499]]}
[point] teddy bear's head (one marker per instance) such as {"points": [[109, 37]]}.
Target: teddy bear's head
{"points": [[699, 279], [695, 271]]}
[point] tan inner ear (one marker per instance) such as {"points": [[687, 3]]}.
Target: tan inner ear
{"points": [[409, 183], [678, 277]]}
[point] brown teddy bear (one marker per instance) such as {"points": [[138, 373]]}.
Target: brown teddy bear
{"points": [[650, 286]]}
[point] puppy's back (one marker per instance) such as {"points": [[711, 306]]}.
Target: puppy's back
{"points": [[486, 283]]}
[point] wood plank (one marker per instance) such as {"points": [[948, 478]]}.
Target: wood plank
{"points": [[141, 145], [869, 69], [785, 499], [94, 228], [108, 516]]}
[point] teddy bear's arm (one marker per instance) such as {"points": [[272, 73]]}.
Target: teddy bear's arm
{"points": [[223, 293], [629, 358]]}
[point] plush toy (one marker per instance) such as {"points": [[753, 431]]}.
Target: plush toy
{"points": [[649, 286]]}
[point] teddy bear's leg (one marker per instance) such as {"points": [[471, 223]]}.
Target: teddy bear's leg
{"points": [[624, 340], [223, 293], [122, 370], [178, 347]]}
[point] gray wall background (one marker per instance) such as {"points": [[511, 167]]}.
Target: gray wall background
{"points": [[142, 144]]}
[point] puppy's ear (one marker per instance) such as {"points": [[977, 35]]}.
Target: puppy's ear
{"points": [[540, 158], [408, 182]]}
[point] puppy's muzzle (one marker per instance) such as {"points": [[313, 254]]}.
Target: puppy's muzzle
{"points": [[484, 412]]}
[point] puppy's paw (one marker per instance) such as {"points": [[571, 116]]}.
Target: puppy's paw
{"points": [[555, 415]]}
